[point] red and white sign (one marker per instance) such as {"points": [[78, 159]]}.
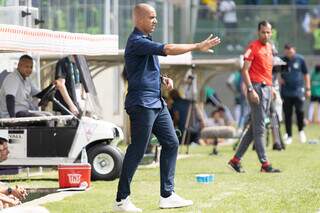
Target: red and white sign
{"points": [[74, 178]]}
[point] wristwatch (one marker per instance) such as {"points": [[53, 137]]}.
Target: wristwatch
{"points": [[250, 88], [9, 190]]}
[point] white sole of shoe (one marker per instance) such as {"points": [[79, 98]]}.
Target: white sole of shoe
{"points": [[174, 207]]}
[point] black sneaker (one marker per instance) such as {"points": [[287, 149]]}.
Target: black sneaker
{"points": [[236, 167], [269, 169], [277, 147]]}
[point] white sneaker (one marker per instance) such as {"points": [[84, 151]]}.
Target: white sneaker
{"points": [[174, 201], [288, 140], [303, 137], [125, 205]]}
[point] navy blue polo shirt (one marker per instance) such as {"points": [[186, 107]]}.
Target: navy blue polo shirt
{"points": [[143, 71], [293, 77]]}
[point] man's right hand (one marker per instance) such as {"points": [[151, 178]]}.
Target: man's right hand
{"points": [[253, 97], [168, 83], [210, 42]]}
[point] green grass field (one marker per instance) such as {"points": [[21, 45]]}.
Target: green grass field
{"points": [[296, 189]]}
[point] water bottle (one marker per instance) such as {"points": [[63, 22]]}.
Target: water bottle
{"points": [[84, 157]]}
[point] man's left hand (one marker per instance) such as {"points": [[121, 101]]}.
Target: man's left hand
{"points": [[210, 42], [308, 93], [168, 83]]}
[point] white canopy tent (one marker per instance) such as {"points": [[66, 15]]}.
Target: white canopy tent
{"points": [[47, 42], [46, 46]]}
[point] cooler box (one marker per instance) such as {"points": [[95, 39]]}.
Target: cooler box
{"points": [[74, 174]]}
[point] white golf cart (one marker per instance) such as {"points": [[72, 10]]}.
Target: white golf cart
{"points": [[51, 140]]}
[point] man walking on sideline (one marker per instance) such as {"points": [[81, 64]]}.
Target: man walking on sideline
{"points": [[257, 76], [295, 86], [147, 111]]}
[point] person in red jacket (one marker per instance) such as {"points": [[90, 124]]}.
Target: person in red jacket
{"points": [[257, 76]]}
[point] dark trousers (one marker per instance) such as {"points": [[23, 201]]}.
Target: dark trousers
{"points": [[288, 104], [145, 121]]}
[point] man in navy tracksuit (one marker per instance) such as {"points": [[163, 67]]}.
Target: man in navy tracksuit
{"points": [[147, 110], [295, 86]]}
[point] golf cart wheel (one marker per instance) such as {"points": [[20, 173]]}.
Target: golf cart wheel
{"points": [[106, 162]]}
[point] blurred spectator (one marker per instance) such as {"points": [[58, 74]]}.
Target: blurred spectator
{"points": [[227, 8], [215, 119], [186, 114], [190, 87], [295, 85], [210, 8], [301, 9], [315, 94], [67, 78], [212, 4], [311, 25], [313, 22], [212, 98], [316, 40], [306, 23], [225, 119], [234, 84]]}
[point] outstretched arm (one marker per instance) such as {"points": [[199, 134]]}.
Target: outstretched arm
{"points": [[204, 46]]}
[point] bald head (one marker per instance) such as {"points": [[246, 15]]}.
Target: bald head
{"points": [[141, 10], [145, 18]]}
